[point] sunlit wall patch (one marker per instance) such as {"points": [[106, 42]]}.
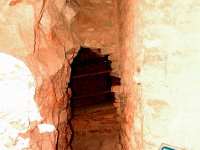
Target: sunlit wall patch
{"points": [[18, 109]]}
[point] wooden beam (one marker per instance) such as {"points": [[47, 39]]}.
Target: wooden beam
{"points": [[92, 74]]}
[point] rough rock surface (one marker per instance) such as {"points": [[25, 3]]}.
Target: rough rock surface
{"points": [[38, 32], [46, 35]]}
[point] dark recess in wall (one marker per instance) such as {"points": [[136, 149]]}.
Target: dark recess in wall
{"points": [[90, 80]]}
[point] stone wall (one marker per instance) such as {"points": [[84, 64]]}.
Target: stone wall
{"points": [[38, 32], [162, 38], [158, 48], [46, 36], [96, 24]]}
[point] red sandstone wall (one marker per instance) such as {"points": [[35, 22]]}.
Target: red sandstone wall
{"points": [[38, 32]]}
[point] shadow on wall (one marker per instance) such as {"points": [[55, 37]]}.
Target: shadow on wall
{"points": [[18, 110]]}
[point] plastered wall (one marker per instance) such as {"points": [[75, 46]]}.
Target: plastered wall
{"points": [[166, 50]]}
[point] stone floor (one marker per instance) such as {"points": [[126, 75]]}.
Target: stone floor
{"points": [[96, 128]]}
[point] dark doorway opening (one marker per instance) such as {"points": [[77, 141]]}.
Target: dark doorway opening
{"points": [[93, 113], [90, 80]]}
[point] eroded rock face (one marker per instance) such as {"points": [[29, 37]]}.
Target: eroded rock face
{"points": [[38, 32], [46, 35]]}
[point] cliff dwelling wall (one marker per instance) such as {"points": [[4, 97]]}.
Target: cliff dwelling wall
{"points": [[41, 34], [154, 49], [37, 32]]}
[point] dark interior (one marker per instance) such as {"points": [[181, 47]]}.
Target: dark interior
{"points": [[90, 80]]}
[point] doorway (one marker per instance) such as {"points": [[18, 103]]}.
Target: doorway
{"points": [[94, 117]]}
